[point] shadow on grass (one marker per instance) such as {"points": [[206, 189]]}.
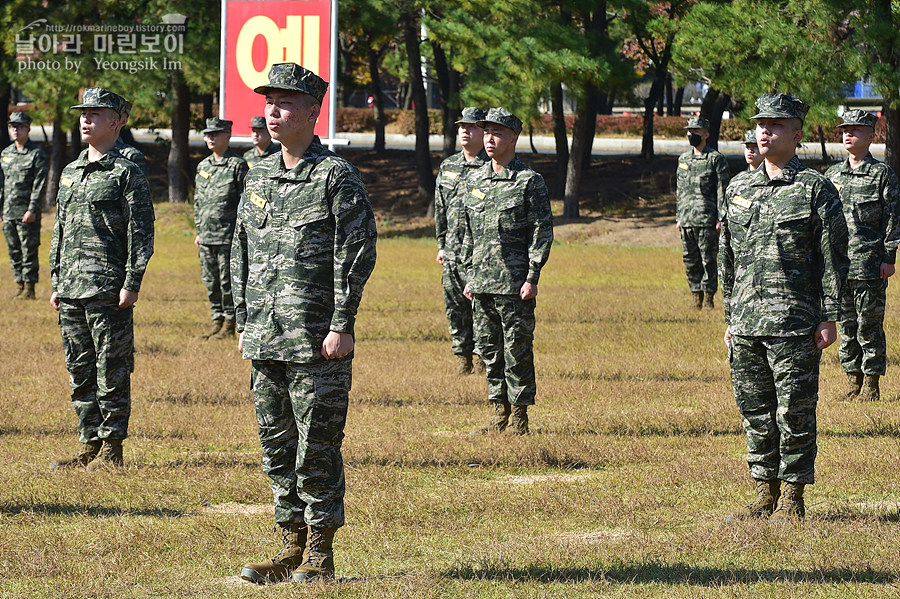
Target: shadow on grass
{"points": [[425, 231], [675, 574], [94, 511]]}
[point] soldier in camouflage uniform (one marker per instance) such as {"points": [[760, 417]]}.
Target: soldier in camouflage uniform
{"points": [[703, 176], [751, 156], [449, 224], [509, 231], [871, 200], [304, 247], [130, 152], [784, 261], [263, 146], [24, 173], [102, 242], [217, 190]]}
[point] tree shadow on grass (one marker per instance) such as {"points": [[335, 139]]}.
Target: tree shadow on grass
{"points": [[682, 574], [425, 231], [94, 511]]}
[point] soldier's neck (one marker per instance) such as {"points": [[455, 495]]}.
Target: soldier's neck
{"points": [[470, 155], [99, 150], [774, 167], [217, 157], [20, 144], [858, 158], [292, 150], [262, 147]]}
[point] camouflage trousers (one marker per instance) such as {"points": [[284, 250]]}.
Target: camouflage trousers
{"points": [[458, 309], [504, 338], [23, 240], [301, 410], [863, 345], [776, 387], [215, 270], [700, 248], [98, 340]]}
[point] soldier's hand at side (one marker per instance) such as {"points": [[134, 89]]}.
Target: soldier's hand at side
{"points": [[469, 295], [727, 337], [528, 291], [826, 334], [241, 342], [440, 257], [678, 226], [887, 270], [337, 345], [54, 301], [197, 241], [29, 217], [718, 226], [127, 298]]}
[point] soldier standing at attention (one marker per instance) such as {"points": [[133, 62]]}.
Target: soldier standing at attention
{"points": [[449, 224], [784, 261], [262, 142], [869, 194], [217, 190], [22, 180], [303, 250], [102, 242], [751, 151], [509, 231], [130, 152], [703, 176]]}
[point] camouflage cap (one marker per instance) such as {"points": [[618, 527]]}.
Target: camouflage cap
{"points": [[126, 110], [780, 106], [501, 116], [471, 114], [19, 117], [214, 124], [291, 76], [858, 117], [750, 137], [697, 122], [258, 122], [97, 97]]}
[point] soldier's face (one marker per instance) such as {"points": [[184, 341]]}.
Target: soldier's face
{"points": [[259, 135], [857, 138], [290, 115], [752, 155], [778, 138], [19, 132], [99, 125], [217, 141], [471, 136], [499, 142]]}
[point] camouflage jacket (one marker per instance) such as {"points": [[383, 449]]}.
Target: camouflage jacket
{"points": [[133, 154], [252, 157], [783, 252], [303, 250], [450, 191], [24, 178], [701, 183], [871, 200], [103, 235], [509, 229], [217, 191]]}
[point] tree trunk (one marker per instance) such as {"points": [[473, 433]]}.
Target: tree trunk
{"points": [[574, 170], [76, 139], [375, 75], [208, 107], [4, 101], [178, 151], [448, 101], [57, 158], [590, 125], [424, 174], [715, 118], [709, 100], [562, 140], [670, 96], [656, 91], [679, 99], [892, 136]]}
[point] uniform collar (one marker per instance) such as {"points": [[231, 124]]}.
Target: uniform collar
{"points": [[508, 173], [760, 177], [302, 171], [862, 169], [106, 162]]}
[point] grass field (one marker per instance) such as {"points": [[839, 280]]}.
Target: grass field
{"points": [[636, 457]]}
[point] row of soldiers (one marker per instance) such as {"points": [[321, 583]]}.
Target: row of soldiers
{"points": [[799, 252]]}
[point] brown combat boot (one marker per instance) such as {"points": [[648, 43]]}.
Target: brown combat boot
{"points": [[318, 565], [20, 289], [698, 300], [110, 455], [29, 291], [518, 425], [767, 493], [82, 457], [216, 327], [279, 568], [464, 364], [479, 365], [499, 422], [854, 384], [869, 390], [227, 330], [708, 299], [790, 507]]}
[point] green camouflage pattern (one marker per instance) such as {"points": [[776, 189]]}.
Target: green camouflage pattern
{"points": [[501, 116], [509, 228], [504, 338], [218, 185], [103, 234], [458, 309], [697, 122], [699, 248], [701, 183], [133, 154], [471, 115], [870, 197], [216, 124], [252, 156], [449, 201], [215, 271], [22, 241], [750, 137], [301, 410], [863, 344], [776, 387], [783, 252], [303, 250], [290, 76], [98, 342], [852, 118], [97, 97], [24, 179], [780, 106], [19, 117]]}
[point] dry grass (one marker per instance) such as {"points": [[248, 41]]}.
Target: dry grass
{"points": [[637, 453]]}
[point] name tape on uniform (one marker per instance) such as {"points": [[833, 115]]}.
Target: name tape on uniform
{"points": [[203, 174], [478, 194], [67, 182], [450, 175], [741, 201], [258, 201], [683, 166]]}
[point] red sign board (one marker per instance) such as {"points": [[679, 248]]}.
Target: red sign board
{"points": [[260, 33]]}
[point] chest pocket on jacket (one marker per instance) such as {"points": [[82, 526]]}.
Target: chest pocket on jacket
{"points": [[105, 204], [793, 231], [512, 215], [868, 213], [312, 230], [252, 216]]}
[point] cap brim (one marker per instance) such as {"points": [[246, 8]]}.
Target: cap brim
{"points": [[205, 131], [78, 106], [485, 122], [774, 115], [264, 89], [468, 121], [856, 124], [697, 127]]}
